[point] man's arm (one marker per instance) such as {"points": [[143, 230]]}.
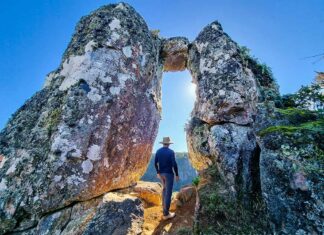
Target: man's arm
{"points": [[156, 164], [174, 165]]}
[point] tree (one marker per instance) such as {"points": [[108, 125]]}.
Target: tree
{"points": [[310, 97]]}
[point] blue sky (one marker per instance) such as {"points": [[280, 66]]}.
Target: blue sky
{"points": [[35, 33]]}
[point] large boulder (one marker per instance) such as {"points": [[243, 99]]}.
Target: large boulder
{"points": [[113, 213], [220, 136], [149, 192], [220, 130], [226, 89], [121, 214], [261, 165], [85, 133]]}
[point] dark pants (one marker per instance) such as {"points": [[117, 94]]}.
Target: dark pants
{"points": [[167, 182]]}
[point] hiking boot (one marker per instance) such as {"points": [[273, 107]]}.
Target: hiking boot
{"points": [[169, 216]]}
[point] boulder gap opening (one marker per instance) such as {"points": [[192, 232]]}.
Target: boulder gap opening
{"points": [[178, 97]]}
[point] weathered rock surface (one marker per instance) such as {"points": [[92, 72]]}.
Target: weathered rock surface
{"points": [[261, 166], [220, 135], [85, 132], [113, 213], [149, 192], [180, 198], [186, 193], [236, 154], [120, 215], [291, 170], [220, 132], [175, 54], [226, 90], [197, 133]]}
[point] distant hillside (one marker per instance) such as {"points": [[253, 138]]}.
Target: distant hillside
{"points": [[186, 172]]}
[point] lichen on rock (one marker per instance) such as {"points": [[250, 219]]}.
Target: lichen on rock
{"points": [[227, 91], [221, 137], [112, 213], [291, 170]]}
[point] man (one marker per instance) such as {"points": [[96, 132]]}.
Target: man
{"points": [[165, 164]]}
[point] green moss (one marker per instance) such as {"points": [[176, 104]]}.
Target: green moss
{"points": [[308, 127], [298, 120], [53, 120], [301, 138], [295, 115]]}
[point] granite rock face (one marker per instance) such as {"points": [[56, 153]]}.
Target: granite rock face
{"points": [[236, 150], [291, 170], [197, 134], [260, 165], [112, 213], [226, 89], [85, 133], [220, 136], [227, 96], [119, 215]]}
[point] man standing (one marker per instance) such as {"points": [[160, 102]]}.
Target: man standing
{"points": [[165, 164]]}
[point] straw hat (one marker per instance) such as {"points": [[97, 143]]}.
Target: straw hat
{"points": [[166, 140]]}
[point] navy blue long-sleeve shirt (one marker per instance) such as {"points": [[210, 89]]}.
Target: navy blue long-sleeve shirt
{"points": [[165, 161]]}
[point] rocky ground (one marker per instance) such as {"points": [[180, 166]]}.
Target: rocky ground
{"points": [[183, 204], [181, 224]]}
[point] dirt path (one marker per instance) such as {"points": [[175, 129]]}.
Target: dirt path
{"points": [[154, 225]]}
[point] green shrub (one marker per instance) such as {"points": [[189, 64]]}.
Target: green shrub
{"points": [[184, 231], [196, 181], [288, 101]]}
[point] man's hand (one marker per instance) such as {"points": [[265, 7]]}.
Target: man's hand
{"points": [[158, 175], [177, 178]]}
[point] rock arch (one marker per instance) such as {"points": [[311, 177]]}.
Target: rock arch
{"points": [[220, 133], [98, 113]]}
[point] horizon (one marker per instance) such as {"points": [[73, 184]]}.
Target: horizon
{"points": [[281, 34]]}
